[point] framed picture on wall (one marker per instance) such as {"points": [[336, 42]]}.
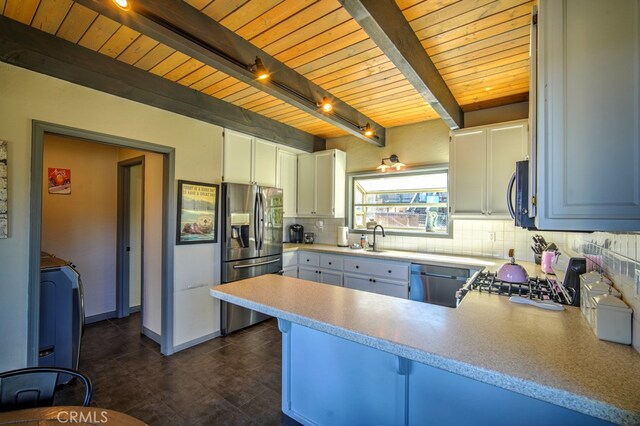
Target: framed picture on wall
{"points": [[197, 213], [59, 181]]}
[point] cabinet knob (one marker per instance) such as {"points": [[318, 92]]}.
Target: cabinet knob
{"points": [[370, 280], [307, 260], [357, 267], [389, 271], [373, 280], [329, 263]]}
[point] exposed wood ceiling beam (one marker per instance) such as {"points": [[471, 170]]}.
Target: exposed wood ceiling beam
{"points": [[384, 22], [38, 51], [184, 28]]}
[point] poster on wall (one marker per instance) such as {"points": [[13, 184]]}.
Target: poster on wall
{"points": [[4, 198], [197, 214], [59, 181]]}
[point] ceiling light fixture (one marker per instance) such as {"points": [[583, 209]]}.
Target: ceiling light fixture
{"points": [[123, 4], [259, 69], [325, 105], [368, 130], [395, 162]]}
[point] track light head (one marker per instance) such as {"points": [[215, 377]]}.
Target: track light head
{"points": [[123, 4], [258, 68], [325, 105]]}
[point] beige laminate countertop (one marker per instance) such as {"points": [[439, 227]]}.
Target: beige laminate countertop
{"points": [[549, 355]]}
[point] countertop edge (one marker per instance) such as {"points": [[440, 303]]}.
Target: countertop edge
{"points": [[518, 385], [471, 262]]}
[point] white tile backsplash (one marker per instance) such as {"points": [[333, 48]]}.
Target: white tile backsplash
{"points": [[470, 237], [619, 261]]}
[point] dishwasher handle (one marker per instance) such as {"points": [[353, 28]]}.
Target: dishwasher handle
{"points": [[431, 274]]}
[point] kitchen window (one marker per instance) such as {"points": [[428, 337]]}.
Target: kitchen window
{"points": [[414, 202]]}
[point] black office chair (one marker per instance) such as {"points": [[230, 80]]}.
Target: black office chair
{"points": [[36, 387]]}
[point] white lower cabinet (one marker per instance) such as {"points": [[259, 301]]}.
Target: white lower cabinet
{"points": [[290, 272], [389, 278], [383, 277], [290, 264], [325, 276], [377, 285], [322, 268]]}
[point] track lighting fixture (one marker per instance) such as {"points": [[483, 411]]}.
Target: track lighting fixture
{"points": [[368, 130], [395, 162], [325, 105], [259, 69]]}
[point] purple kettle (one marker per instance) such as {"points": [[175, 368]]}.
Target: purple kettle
{"points": [[512, 272]]}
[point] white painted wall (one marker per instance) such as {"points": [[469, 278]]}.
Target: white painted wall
{"points": [[415, 144], [26, 96]]}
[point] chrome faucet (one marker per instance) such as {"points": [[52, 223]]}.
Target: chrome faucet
{"points": [[373, 246]]}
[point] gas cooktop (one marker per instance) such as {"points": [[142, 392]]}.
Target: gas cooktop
{"points": [[535, 289]]}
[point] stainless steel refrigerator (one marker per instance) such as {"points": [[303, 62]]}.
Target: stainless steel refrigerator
{"points": [[251, 243]]}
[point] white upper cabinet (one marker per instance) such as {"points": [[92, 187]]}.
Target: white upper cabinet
{"points": [[306, 184], [236, 156], [482, 160], [287, 179], [248, 160], [265, 160], [321, 184], [588, 115]]}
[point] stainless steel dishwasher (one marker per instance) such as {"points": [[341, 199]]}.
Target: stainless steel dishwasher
{"points": [[437, 284]]}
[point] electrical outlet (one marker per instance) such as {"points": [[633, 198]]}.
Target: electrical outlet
{"points": [[491, 236]]}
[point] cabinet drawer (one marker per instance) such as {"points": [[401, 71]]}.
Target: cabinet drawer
{"points": [[389, 270], [377, 285], [331, 262], [289, 259], [392, 288], [308, 259]]}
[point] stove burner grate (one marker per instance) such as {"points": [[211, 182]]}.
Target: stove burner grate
{"points": [[535, 288]]}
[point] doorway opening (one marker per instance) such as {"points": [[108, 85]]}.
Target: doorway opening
{"points": [[129, 247], [161, 225]]}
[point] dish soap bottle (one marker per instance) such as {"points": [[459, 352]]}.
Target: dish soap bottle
{"points": [[363, 241]]}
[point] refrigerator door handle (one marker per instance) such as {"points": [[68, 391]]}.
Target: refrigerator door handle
{"points": [[256, 228], [262, 218], [256, 264]]}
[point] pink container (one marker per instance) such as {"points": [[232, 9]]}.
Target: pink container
{"points": [[547, 261]]}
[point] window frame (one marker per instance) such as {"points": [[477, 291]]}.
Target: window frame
{"points": [[436, 168]]}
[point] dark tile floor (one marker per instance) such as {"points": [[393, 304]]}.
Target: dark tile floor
{"points": [[232, 380]]}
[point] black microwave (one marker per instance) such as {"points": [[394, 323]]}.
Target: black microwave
{"points": [[520, 183]]}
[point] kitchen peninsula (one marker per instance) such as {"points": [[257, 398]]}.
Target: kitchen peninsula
{"points": [[352, 356]]}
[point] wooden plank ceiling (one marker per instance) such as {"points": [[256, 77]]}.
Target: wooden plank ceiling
{"points": [[480, 47]]}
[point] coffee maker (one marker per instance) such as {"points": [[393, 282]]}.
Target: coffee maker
{"points": [[296, 233]]}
